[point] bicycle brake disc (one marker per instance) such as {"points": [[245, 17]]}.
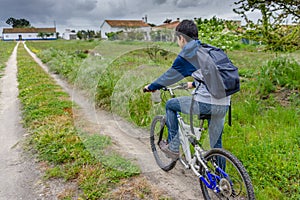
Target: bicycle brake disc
{"points": [[225, 187]]}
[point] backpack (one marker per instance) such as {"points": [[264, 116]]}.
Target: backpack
{"points": [[216, 71]]}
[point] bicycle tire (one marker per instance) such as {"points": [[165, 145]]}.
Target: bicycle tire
{"points": [[158, 132], [237, 186]]}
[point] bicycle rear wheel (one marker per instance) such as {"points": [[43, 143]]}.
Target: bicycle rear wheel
{"points": [[159, 132], [237, 185]]}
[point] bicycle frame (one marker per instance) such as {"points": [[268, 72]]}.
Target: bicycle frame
{"points": [[184, 135], [208, 165]]}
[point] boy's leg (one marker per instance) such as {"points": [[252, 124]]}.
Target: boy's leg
{"points": [[172, 106], [180, 104], [216, 125]]}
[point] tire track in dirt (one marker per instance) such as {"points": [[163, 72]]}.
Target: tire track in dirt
{"points": [[18, 173], [131, 142]]}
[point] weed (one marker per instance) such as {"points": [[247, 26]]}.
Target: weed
{"points": [[281, 72]]}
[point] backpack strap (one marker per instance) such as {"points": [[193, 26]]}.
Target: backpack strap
{"points": [[229, 115]]}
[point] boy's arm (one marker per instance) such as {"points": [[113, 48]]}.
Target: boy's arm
{"points": [[180, 69]]}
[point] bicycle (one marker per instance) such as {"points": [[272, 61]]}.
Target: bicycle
{"points": [[221, 174]]}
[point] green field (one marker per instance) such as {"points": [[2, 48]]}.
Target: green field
{"points": [[265, 134]]}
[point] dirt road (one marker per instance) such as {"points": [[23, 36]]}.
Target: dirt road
{"points": [[18, 174]]}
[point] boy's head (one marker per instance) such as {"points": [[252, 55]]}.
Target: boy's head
{"points": [[188, 29]]}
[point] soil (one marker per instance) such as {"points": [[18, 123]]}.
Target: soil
{"points": [[22, 175]]}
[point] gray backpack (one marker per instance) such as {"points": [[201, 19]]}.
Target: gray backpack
{"points": [[216, 71]]}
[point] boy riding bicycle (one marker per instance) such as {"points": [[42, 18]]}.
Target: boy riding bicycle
{"points": [[206, 103]]}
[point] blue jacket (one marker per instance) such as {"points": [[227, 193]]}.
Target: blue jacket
{"points": [[180, 69]]}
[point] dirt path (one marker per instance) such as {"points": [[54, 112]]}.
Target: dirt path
{"points": [[18, 174], [131, 142]]}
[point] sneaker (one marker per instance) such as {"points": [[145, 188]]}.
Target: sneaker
{"points": [[165, 148]]}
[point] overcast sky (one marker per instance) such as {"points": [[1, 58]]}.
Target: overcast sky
{"points": [[90, 14]]}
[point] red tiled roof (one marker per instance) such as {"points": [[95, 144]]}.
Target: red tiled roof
{"points": [[127, 23], [29, 30], [171, 25]]}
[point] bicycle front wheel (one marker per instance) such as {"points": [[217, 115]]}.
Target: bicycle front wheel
{"points": [[233, 180], [158, 133]]}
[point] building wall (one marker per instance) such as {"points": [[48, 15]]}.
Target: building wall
{"points": [[106, 28], [25, 36], [69, 36]]}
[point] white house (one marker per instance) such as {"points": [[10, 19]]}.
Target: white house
{"points": [[29, 34], [69, 35], [109, 26]]}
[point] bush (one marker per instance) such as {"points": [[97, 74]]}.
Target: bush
{"points": [[281, 72], [218, 32]]}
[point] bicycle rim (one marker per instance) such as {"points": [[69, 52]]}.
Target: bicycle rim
{"points": [[158, 133], [236, 186]]}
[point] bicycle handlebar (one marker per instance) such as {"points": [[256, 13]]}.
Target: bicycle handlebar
{"points": [[181, 86]]}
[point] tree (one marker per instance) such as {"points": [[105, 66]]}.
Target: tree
{"points": [[218, 32], [272, 28], [41, 34], [44, 35], [18, 23]]}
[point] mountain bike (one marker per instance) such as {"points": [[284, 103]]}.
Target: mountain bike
{"points": [[220, 173]]}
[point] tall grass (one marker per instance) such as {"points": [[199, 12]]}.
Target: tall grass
{"points": [[265, 132], [280, 72]]}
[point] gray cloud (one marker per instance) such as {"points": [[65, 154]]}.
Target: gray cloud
{"points": [[159, 1], [89, 14], [186, 3]]}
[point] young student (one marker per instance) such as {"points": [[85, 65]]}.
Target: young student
{"points": [[184, 65]]}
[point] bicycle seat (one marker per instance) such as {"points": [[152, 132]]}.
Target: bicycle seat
{"points": [[204, 116]]}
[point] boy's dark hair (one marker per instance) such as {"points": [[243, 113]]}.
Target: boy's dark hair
{"points": [[188, 29]]}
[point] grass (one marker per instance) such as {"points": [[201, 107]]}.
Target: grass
{"points": [[265, 135], [70, 153], [265, 132], [6, 49]]}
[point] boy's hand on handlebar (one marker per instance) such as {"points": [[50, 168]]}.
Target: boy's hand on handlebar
{"points": [[190, 85], [146, 89]]}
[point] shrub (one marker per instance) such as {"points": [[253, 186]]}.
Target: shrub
{"points": [[281, 72]]}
